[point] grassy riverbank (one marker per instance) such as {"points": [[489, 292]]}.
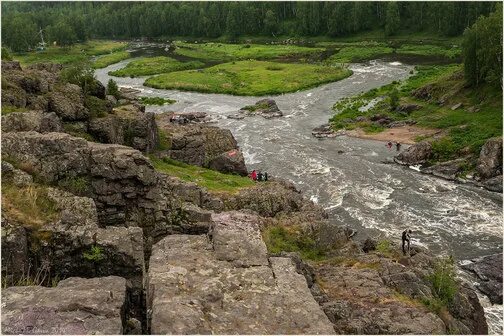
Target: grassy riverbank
{"points": [[106, 60], [76, 53], [210, 179], [223, 51], [464, 117], [147, 66], [250, 78]]}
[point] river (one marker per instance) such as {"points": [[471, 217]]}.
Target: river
{"points": [[348, 176]]}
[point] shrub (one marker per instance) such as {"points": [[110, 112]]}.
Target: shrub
{"points": [[156, 101], [442, 280], [97, 107], [279, 238], [112, 88], [95, 254], [6, 55], [394, 99], [81, 74], [76, 185]]}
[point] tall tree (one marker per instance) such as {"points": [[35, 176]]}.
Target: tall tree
{"points": [[393, 20]]}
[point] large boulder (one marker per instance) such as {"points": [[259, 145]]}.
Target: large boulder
{"points": [[489, 272], [266, 108], [14, 96], [230, 286], [449, 169], [68, 102], [75, 306], [416, 154], [37, 121], [229, 162], [494, 183], [490, 159]]}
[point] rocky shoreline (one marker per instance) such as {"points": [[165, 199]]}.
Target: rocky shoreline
{"points": [[127, 249]]}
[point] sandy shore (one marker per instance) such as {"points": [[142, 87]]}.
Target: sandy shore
{"points": [[404, 134]]}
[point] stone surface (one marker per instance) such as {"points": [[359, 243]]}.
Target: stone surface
{"points": [[37, 121], [75, 306], [490, 159], [416, 154], [449, 169], [68, 102], [489, 271], [494, 183], [323, 131], [197, 286], [229, 162], [266, 108]]}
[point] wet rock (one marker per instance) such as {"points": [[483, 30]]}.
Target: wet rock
{"points": [[74, 306], [490, 159], [31, 121], [416, 154], [449, 169], [323, 131], [494, 184], [266, 108], [68, 103], [229, 162], [489, 271], [221, 297], [186, 117], [236, 116]]}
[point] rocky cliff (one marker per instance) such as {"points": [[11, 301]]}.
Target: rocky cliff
{"points": [[139, 251]]}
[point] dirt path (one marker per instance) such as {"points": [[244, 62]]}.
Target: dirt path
{"points": [[404, 134]]}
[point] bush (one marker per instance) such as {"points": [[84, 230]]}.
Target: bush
{"points": [[394, 99], [95, 254], [81, 74], [6, 55], [442, 280], [97, 107], [112, 88]]}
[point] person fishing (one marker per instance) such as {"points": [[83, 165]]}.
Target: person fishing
{"points": [[253, 175], [260, 176], [398, 146], [265, 176], [406, 237]]}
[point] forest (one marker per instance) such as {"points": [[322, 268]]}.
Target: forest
{"points": [[72, 22]]}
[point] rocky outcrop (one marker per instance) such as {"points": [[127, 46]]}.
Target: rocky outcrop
{"points": [[490, 159], [37, 121], [67, 101], [416, 154], [323, 131], [230, 285], [75, 306], [266, 108], [448, 169], [489, 272], [229, 162], [127, 125]]}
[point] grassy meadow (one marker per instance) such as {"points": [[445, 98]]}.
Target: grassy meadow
{"points": [[146, 66], [250, 78]]}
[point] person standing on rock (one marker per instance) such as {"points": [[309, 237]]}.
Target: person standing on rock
{"points": [[253, 175], [265, 176], [389, 145], [398, 146], [406, 237], [260, 176]]}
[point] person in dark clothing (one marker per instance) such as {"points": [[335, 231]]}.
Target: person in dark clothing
{"points": [[259, 176], [389, 145], [406, 237], [398, 146], [265, 176]]}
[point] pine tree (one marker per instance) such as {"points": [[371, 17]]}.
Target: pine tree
{"points": [[392, 21]]}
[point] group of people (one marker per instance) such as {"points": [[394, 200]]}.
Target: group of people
{"points": [[397, 144], [258, 176]]}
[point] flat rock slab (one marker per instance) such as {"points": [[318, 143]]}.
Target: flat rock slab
{"points": [[76, 306], [194, 289]]}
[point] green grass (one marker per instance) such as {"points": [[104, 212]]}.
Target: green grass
{"points": [[7, 109], [106, 60], [358, 54], [465, 132], [147, 66], [250, 78], [76, 53], [212, 180], [429, 50], [156, 101], [291, 239], [223, 51]]}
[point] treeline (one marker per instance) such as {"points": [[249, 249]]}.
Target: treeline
{"points": [[70, 22]]}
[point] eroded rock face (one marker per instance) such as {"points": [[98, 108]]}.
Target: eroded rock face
{"points": [[75, 307], [489, 271], [490, 159], [37, 121], [449, 169], [231, 286], [231, 162], [416, 154], [67, 101]]}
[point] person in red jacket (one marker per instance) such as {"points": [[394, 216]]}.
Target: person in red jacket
{"points": [[253, 175]]}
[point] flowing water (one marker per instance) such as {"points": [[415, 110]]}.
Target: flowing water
{"points": [[348, 176]]}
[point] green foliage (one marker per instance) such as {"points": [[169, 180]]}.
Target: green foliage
{"points": [[19, 32], [291, 239], [156, 101], [451, 52], [97, 107], [483, 50], [81, 74], [250, 78], [209, 179], [95, 254], [62, 33], [392, 20], [112, 88], [442, 280], [6, 54], [164, 140], [358, 53], [7, 109], [106, 60], [76, 185], [146, 66], [394, 99], [385, 247]]}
